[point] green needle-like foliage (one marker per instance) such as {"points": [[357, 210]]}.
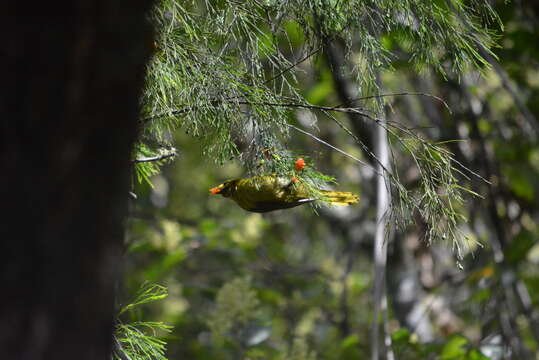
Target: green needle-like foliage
{"points": [[225, 72], [140, 340]]}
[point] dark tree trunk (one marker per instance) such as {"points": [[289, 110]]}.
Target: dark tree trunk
{"points": [[72, 75]]}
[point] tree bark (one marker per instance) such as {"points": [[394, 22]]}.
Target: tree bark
{"points": [[72, 75]]}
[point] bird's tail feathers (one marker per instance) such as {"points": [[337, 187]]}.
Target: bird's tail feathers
{"points": [[342, 198]]}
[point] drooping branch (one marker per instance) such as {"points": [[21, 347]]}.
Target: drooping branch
{"points": [[436, 165], [353, 110]]}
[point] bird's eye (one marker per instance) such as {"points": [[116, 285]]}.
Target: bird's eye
{"points": [[225, 191]]}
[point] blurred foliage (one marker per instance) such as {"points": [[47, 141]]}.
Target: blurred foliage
{"points": [[455, 347], [297, 285], [236, 304]]}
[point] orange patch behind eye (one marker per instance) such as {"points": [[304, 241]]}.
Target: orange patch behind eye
{"points": [[216, 190]]}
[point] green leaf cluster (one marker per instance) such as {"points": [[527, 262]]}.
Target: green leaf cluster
{"points": [[141, 340]]}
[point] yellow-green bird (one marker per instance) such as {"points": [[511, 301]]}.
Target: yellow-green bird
{"points": [[270, 192]]}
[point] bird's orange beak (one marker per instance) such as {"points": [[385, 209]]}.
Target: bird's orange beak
{"points": [[216, 190]]}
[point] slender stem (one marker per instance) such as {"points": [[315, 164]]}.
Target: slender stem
{"points": [[309, 55], [403, 94], [334, 148]]}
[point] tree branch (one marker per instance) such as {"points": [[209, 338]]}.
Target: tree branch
{"points": [[355, 110]]}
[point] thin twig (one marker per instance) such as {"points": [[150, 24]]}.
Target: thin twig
{"points": [[168, 113], [358, 141], [403, 94], [312, 53], [185, 110], [334, 148], [155, 158]]}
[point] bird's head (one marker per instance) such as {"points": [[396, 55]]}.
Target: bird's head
{"points": [[224, 189]]}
